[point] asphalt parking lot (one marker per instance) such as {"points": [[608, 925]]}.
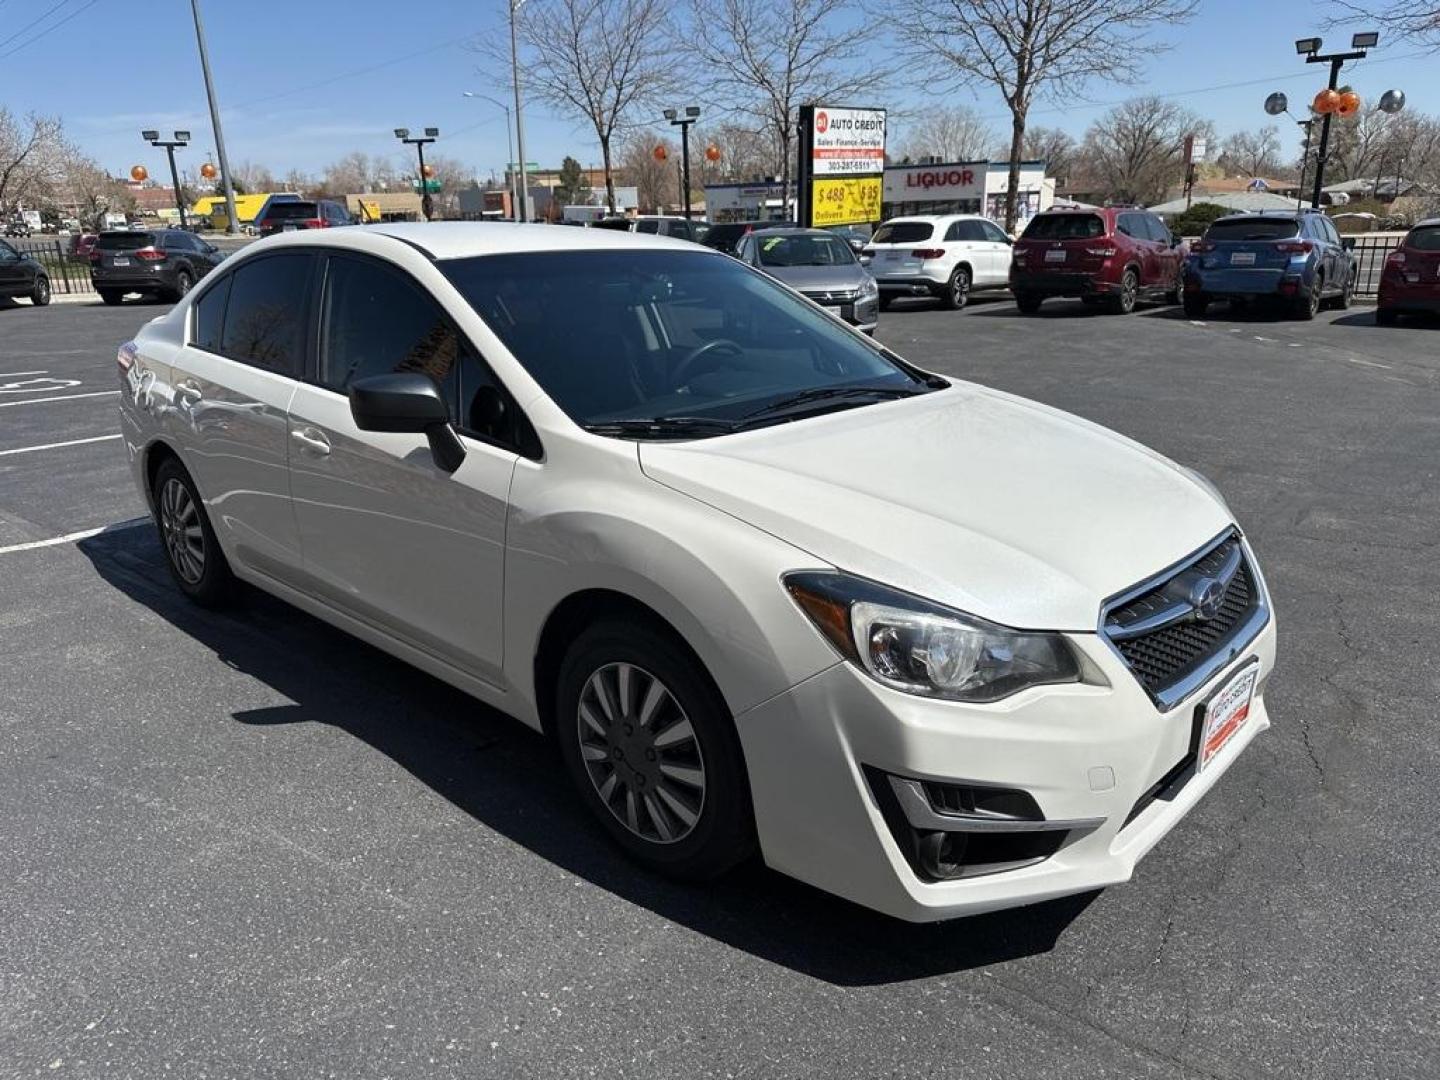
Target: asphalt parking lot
{"points": [[244, 844]]}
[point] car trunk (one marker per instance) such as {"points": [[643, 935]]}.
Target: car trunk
{"points": [[1064, 244], [124, 250], [1421, 265], [1258, 244], [902, 247]]}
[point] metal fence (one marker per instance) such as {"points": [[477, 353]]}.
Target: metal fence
{"points": [[1370, 251], [69, 274]]}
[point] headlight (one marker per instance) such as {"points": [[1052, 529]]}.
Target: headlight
{"points": [[910, 644], [869, 287]]}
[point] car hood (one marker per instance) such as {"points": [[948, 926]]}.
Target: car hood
{"points": [[820, 278], [995, 505]]}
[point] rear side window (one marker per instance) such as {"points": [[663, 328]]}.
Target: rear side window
{"points": [[1426, 239], [965, 230], [1242, 229], [904, 232], [265, 317], [124, 241], [647, 226], [210, 315], [1064, 227]]}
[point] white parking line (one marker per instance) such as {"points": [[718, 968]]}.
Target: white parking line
{"points": [[58, 445], [70, 538], [66, 397], [17, 374]]}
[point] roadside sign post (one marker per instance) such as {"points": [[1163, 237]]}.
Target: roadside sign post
{"points": [[840, 175]]}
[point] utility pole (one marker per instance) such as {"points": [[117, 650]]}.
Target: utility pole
{"points": [[519, 114], [509, 151], [234, 226]]}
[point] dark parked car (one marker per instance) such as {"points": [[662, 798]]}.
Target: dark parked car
{"points": [[162, 263], [20, 275], [1410, 282], [1111, 255], [303, 214], [726, 237], [81, 244], [1293, 256]]}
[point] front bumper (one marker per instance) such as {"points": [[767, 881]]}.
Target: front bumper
{"points": [[1087, 755]]}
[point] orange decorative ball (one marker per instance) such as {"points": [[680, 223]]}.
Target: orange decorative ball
{"points": [[1349, 103], [429, 171], [712, 153], [660, 154], [139, 174], [1326, 101], [208, 171]]}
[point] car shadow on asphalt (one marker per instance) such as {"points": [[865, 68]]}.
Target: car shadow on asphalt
{"points": [[508, 778]]}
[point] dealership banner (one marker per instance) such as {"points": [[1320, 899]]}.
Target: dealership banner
{"points": [[841, 165]]}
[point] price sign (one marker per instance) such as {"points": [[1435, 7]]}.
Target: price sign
{"points": [[847, 201]]}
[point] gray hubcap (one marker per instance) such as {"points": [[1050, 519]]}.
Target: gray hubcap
{"points": [[42, 288], [180, 529], [641, 753], [1128, 287]]}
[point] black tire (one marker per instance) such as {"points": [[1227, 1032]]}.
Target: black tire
{"points": [[1347, 294], [956, 292], [40, 295], [1196, 304], [213, 585], [184, 282], [1122, 301], [886, 301], [1386, 316], [1306, 307], [1177, 293], [1028, 302], [111, 296], [722, 833]]}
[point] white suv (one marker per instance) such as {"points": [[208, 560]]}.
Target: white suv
{"points": [[941, 255]]}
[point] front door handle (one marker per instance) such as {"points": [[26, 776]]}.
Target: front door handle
{"points": [[188, 392], [312, 439]]}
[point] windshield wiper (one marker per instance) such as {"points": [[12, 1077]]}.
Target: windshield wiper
{"points": [[662, 427], [828, 393]]}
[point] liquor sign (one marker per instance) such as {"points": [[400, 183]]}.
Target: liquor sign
{"points": [[841, 166]]}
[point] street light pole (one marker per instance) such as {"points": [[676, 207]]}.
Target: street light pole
{"points": [[1310, 49], [509, 150], [234, 226], [182, 138], [519, 115], [427, 204], [692, 113]]}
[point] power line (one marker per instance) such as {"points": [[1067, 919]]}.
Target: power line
{"points": [[42, 18], [48, 29]]}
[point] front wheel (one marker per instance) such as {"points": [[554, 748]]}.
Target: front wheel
{"points": [[957, 290], [1308, 306], [1347, 294], [40, 295], [1122, 302], [652, 749], [191, 551], [183, 283]]}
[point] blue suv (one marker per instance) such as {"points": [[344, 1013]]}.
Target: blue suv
{"points": [[1295, 257]]}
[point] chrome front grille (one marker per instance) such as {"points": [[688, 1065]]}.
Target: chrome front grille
{"points": [[824, 296], [1176, 630]]}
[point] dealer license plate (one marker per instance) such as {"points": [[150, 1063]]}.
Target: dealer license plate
{"points": [[119, 262], [1055, 255], [1227, 711], [1242, 258]]}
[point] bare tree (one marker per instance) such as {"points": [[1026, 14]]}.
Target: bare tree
{"points": [[1409, 20], [91, 190], [951, 133], [656, 184], [29, 153], [252, 177], [1135, 152], [1252, 153], [745, 152], [299, 182], [1026, 48], [769, 57], [1051, 145], [601, 61]]}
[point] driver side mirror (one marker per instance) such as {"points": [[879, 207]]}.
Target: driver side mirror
{"points": [[407, 402], [1348, 243]]}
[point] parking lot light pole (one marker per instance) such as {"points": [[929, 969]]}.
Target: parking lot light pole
{"points": [[182, 138], [1310, 49], [692, 113], [509, 149], [234, 227], [427, 205], [524, 180]]}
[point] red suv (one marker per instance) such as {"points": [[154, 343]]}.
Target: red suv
{"points": [[1410, 282], [1109, 255]]}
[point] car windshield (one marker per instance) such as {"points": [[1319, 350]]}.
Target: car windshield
{"points": [[1064, 227], [1426, 239], [645, 335], [1238, 230], [803, 251], [291, 211], [903, 232], [124, 241]]}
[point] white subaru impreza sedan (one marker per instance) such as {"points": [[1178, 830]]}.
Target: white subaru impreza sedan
{"points": [[767, 585]]}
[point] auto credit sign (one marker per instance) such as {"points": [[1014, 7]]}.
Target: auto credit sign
{"points": [[847, 142]]}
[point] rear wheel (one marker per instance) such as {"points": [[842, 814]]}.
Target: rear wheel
{"points": [[1028, 303], [1196, 305], [957, 290], [40, 295], [653, 751], [111, 296], [1347, 294], [191, 551], [1122, 301]]}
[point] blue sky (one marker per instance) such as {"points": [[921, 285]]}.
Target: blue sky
{"points": [[302, 84]]}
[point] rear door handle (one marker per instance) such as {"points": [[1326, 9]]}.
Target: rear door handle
{"points": [[188, 392], [312, 439]]}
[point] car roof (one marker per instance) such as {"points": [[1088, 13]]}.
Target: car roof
{"points": [[1428, 223], [931, 219], [464, 239]]}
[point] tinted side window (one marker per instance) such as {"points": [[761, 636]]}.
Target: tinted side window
{"points": [[1331, 231], [209, 317], [647, 226], [1158, 229], [265, 318], [1130, 226]]}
